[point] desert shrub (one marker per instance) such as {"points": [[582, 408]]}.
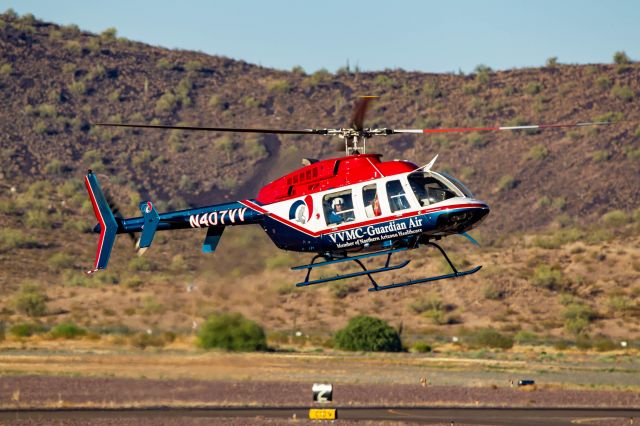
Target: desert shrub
{"points": [[164, 64], [144, 340], [5, 69], [38, 219], [506, 183], [482, 73], [421, 347], [524, 337], [232, 332], [67, 330], [73, 46], [577, 317], [621, 58], [538, 152], [340, 290], [168, 102], [491, 338], [552, 62], [477, 140], [600, 155], [603, 83], [139, 263], [55, 167], [109, 34], [150, 306], [364, 333], [30, 301], [493, 292], [383, 81], [25, 329], [61, 261], [611, 117], [14, 238], [2, 331], [615, 218], [279, 86], [78, 88], [471, 88], [548, 277], [297, 69], [604, 344], [322, 76], [431, 89], [624, 93], [193, 66], [532, 88]]}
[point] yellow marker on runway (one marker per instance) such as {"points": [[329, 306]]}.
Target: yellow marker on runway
{"points": [[323, 414]]}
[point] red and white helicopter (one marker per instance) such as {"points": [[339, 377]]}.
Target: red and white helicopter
{"points": [[342, 209]]}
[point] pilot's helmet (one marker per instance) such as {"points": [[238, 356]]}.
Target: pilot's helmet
{"points": [[336, 201]]}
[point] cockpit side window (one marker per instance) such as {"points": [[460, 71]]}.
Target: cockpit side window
{"points": [[429, 190], [338, 207], [397, 198]]}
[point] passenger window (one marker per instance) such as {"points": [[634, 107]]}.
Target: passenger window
{"points": [[371, 201], [397, 197], [338, 207]]}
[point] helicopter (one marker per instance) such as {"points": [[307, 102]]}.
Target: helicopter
{"points": [[344, 209]]}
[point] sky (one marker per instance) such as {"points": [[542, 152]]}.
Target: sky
{"points": [[427, 36]]}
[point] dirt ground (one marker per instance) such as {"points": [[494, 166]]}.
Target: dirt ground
{"points": [[52, 391]]}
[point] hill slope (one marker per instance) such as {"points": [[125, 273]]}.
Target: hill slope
{"points": [[56, 81]]}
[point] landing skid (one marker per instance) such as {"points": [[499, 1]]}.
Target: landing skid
{"points": [[332, 259]]}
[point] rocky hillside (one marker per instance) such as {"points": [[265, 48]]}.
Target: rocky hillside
{"points": [[56, 81]]}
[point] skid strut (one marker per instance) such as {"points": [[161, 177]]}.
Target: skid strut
{"points": [[331, 259]]}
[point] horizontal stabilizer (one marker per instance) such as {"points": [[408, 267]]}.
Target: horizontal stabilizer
{"points": [[212, 239], [151, 220]]}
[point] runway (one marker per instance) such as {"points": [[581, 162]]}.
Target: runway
{"points": [[440, 415]]}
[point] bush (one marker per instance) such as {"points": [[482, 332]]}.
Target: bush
{"points": [[615, 218], [322, 76], [232, 332], [193, 66], [365, 333], [61, 261], [505, 183], [30, 301], [532, 88], [421, 347], [577, 318], [432, 90], [67, 330], [600, 155], [492, 339], [621, 58], [24, 329], [552, 62], [547, 277], [624, 93], [14, 238], [538, 152]]}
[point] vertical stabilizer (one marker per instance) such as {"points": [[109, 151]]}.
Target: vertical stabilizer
{"points": [[107, 222]]}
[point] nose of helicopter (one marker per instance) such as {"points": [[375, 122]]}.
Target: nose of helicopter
{"points": [[464, 218]]}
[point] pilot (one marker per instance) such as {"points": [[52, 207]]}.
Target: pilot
{"points": [[337, 207]]}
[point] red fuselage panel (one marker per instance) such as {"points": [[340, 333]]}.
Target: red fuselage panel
{"points": [[333, 173]]}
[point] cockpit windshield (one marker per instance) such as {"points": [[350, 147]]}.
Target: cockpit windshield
{"points": [[461, 186], [431, 188]]}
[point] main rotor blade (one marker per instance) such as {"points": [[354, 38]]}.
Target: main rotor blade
{"points": [[360, 111], [219, 129], [494, 129]]}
